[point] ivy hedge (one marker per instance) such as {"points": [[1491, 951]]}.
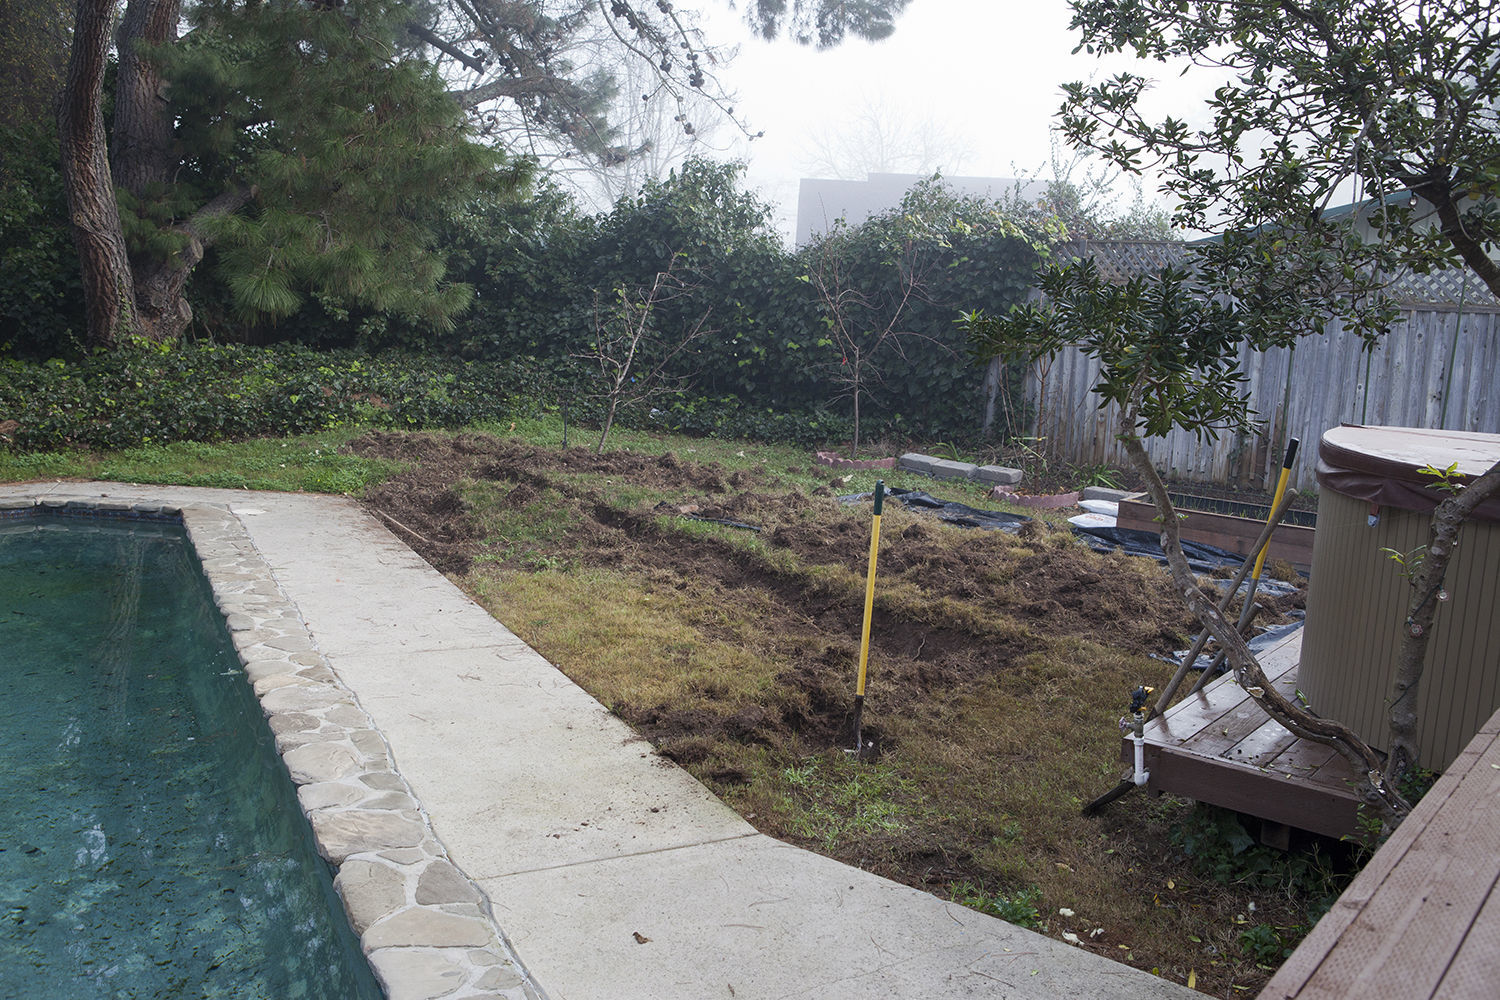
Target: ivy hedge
{"points": [[204, 392], [536, 268], [153, 394]]}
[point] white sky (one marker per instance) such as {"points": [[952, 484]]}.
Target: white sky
{"points": [[990, 70]]}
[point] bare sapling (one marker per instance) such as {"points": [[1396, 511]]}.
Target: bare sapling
{"points": [[634, 358], [864, 318]]}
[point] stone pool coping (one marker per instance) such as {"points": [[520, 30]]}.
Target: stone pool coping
{"points": [[424, 926]]}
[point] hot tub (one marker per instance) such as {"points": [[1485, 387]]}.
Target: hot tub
{"points": [[1372, 498]]}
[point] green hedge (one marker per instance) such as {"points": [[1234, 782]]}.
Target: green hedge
{"points": [[728, 417], [202, 392], [205, 392]]}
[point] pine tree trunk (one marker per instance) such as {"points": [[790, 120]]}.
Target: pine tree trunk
{"points": [[160, 291], [142, 159], [108, 287], [1447, 520], [141, 141]]}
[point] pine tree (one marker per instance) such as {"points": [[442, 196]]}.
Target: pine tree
{"points": [[295, 139]]}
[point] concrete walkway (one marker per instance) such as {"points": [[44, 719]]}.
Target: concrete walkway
{"points": [[613, 873]]}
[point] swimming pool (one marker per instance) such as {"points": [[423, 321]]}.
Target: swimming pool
{"points": [[152, 843]]}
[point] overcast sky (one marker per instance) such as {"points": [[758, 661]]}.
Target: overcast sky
{"points": [[987, 71]]}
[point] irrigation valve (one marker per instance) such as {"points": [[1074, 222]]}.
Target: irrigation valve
{"points": [[1138, 699]]}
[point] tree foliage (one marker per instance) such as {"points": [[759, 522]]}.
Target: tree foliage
{"points": [[348, 189], [40, 298], [1324, 99], [544, 75], [339, 192], [824, 23], [34, 37], [1392, 98], [1167, 357]]}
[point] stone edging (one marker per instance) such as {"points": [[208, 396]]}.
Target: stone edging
{"points": [[425, 927], [1043, 501]]}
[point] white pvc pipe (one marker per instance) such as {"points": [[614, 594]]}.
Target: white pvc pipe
{"points": [[1141, 774]]}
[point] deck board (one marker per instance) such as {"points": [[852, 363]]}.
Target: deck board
{"points": [[1423, 917], [1263, 746], [1219, 746]]}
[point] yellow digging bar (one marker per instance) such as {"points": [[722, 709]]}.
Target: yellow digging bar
{"points": [[1260, 562], [864, 639], [1286, 472]]}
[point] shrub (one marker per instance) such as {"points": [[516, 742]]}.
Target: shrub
{"points": [[204, 392], [41, 294]]}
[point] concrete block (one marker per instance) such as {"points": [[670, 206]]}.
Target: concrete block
{"points": [[944, 469], [1105, 493], [913, 462], [998, 474]]}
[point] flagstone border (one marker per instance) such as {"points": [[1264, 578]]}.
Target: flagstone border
{"points": [[425, 927]]}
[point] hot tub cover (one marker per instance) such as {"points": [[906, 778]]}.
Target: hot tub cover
{"points": [[1381, 464]]}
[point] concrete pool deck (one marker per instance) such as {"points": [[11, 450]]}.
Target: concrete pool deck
{"points": [[611, 871]]}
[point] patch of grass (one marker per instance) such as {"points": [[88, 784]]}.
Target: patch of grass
{"points": [[833, 800], [1019, 907], [309, 463], [520, 523], [784, 465], [633, 644]]}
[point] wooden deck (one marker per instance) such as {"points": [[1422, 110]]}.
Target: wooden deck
{"points": [[1422, 920], [1219, 747]]}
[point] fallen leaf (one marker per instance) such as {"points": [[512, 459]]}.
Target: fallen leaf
{"points": [[639, 937], [1192, 982], [1171, 884]]}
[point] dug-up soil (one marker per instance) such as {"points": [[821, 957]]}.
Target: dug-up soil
{"points": [[965, 616]]}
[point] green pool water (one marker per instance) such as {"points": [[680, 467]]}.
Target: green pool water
{"points": [[150, 840]]}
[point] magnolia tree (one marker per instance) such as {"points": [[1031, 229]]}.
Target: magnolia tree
{"points": [[1395, 99], [1167, 348]]}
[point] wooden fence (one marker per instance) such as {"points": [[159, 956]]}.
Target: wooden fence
{"points": [[1438, 368]]}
